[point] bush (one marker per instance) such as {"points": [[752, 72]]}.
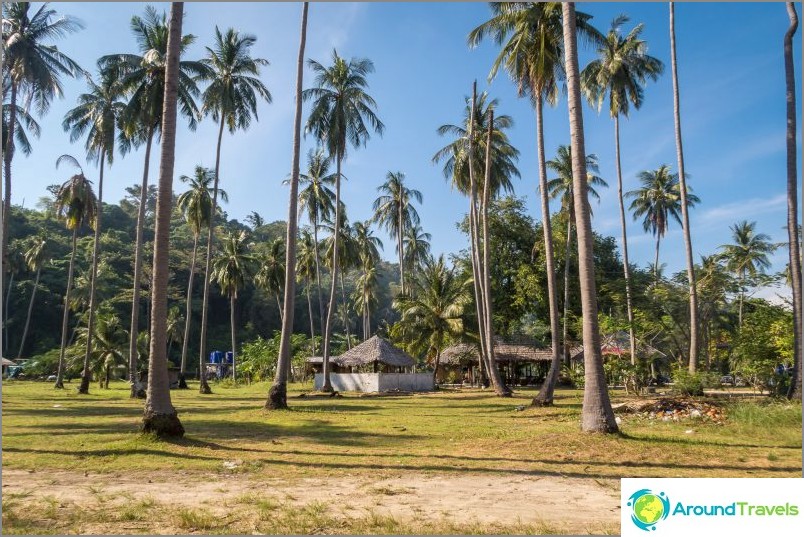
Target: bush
{"points": [[574, 374], [686, 383]]}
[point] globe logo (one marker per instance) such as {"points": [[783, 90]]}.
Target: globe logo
{"points": [[648, 508]]}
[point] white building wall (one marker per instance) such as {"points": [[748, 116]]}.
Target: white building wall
{"points": [[377, 382]]}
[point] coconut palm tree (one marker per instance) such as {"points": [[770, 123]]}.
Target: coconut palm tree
{"points": [[143, 80], [433, 311], [77, 205], [37, 255], [685, 218], [25, 127], [306, 271], [417, 247], [657, 201], [394, 211], [365, 295], [159, 416], [35, 69], [230, 271], [255, 220], [270, 275], [348, 259], [14, 264], [746, 256], [621, 72], [792, 200], [196, 206], [108, 342], [530, 37], [230, 99], [560, 187], [597, 415], [342, 114], [98, 114]]}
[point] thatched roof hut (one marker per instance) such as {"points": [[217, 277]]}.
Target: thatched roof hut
{"points": [[511, 349], [375, 350]]}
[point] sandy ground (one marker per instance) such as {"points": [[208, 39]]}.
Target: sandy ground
{"points": [[567, 503]]}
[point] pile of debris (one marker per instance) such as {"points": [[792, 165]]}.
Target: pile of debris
{"points": [[673, 409]]}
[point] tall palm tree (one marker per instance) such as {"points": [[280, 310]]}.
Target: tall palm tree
{"points": [[434, 310], [365, 295], [270, 275], [231, 99], [597, 415], [394, 211], [37, 255], [77, 205], [159, 416], [98, 114], [621, 71], [143, 79], [561, 188], [35, 69], [306, 272], [746, 256], [25, 123], [531, 41], [14, 263], [657, 201], [417, 247], [348, 259], [685, 218], [230, 271], [342, 114], [196, 206], [792, 200], [255, 220]]}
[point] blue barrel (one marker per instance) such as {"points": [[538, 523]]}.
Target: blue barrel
{"points": [[216, 357], [229, 357]]}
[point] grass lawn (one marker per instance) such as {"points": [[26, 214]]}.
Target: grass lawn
{"points": [[367, 449]]}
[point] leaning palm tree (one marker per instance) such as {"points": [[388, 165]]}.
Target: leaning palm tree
{"points": [[196, 206], [160, 416], [561, 188], [658, 200], [270, 275], [621, 72], [143, 79], [231, 99], [394, 211], [531, 41], [596, 415], [747, 256], [37, 255], [341, 115], [685, 218], [98, 114], [35, 69], [77, 205], [230, 271]]}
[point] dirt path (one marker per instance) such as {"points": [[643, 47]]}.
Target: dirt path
{"points": [[571, 504]]}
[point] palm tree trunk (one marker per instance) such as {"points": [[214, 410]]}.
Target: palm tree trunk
{"points": [[30, 310], [685, 218], [626, 266], [310, 313], [136, 391], [108, 370], [86, 374], [597, 415], [401, 252], [188, 316], [545, 395], [318, 278], [742, 299], [499, 385], [345, 313], [5, 310], [9, 154], [279, 307], [204, 386], [656, 261], [66, 316], [160, 416], [567, 252], [792, 202], [327, 385], [234, 336]]}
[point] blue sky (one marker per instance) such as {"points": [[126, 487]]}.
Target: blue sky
{"points": [[732, 99]]}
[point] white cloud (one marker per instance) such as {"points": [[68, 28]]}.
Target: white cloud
{"points": [[744, 209]]}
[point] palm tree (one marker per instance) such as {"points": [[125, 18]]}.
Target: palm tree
{"points": [[657, 201], [532, 56], [143, 78], [394, 211], [561, 188], [14, 264], [685, 218], [37, 255], [196, 206], [597, 415], [365, 295], [417, 247], [35, 69], [270, 275], [342, 114], [231, 100], [107, 341], [306, 271], [348, 258], [98, 115], [792, 200], [746, 256], [255, 220], [621, 72], [160, 416], [230, 271], [434, 310], [77, 205], [25, 123]]}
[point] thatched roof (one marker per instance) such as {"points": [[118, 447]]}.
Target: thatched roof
{"points": [[619, 343], [6, 361], [376, 349], [510, 349]]}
